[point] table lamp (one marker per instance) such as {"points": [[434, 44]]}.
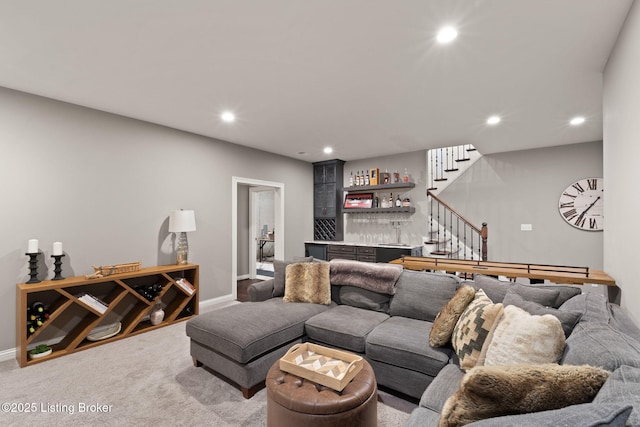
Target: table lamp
{"points": [[181, 222]]}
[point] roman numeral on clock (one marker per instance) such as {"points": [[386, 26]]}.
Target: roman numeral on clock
{"points": [[566, 205], [570, 214], [592, 183], [578, 187]]}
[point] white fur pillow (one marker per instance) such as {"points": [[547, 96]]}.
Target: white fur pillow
{"points": [[522, 338]]}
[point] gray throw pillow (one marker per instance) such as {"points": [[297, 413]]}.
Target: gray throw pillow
{"points": [[279, 273], [568, 319], [566, 292], [545, 297], [497, 289]]}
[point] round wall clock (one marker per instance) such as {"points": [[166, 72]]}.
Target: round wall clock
{"points": [[581, 204]]}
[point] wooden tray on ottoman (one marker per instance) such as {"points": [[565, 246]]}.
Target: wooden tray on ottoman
{"points": [[326, 366]]}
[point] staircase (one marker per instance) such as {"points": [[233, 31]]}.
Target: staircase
{"points": [[449, 234]]}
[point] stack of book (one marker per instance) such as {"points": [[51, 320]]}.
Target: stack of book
{"points": [[186, 285], [93, 302]]}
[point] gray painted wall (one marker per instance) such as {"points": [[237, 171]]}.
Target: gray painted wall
{"points": [[104, 186], [375, 228], [621, 104], [522, 187]]}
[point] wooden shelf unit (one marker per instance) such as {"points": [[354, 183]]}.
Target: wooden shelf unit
{"points": [[71, 320]]}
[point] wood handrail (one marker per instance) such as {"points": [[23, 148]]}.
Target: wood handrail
{"points": [[476, 229], [553, 273]]}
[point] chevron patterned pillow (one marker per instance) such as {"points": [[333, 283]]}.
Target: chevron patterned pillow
{"points": [[473, 327]]}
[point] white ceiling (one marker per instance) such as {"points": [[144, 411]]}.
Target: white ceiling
{"points": [[363, 76]]}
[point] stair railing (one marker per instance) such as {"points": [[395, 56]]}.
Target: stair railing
{"points": [[447, 225]]}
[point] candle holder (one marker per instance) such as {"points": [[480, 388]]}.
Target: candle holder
{"points": [[33, 267], [57, 266]]}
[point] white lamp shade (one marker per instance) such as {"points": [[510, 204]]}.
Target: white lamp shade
{"points": [[180, 221]]}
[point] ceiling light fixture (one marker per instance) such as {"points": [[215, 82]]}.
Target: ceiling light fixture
{"points": [[228, 117], [493, 120], [328, 150], [577, 121], [447, 34]]}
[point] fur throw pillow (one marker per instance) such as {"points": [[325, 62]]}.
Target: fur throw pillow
{"points": [[522, 338], [446, 320], [494, 391], [308, 282]]}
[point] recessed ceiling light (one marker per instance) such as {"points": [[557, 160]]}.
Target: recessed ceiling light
{"points": [[493, 120], [447, 34], [576, 121], [228, 117], [328, 150]]}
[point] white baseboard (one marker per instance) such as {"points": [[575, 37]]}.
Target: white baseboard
{"points": [[217, 302], [243, 277], [10, 353]]}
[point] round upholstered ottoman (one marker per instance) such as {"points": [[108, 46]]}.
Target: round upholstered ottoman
{"points": [[294, 401]]}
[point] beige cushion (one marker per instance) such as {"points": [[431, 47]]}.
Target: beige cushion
{"points": [[494, 391], [308, 282], [523, 338], [472, 329], [447, 318]]}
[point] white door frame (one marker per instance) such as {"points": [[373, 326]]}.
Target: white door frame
{"points": [[278, 244]]}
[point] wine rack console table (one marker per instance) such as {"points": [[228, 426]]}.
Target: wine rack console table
{"points": [[71, 321]]}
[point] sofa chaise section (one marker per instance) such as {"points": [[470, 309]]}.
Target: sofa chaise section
{"points": [[242, 341]]}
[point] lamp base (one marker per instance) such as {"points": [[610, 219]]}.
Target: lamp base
{"points": [[183, 249], [182, 258]]}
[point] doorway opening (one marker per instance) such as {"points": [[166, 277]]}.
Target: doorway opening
{"points": [[255, 203]]}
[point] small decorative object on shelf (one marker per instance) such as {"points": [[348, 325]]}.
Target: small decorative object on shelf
{"points": [[157, 314], [107, 270], [93, 302], [37, 314], [32, 252], [41, 350], [57, 267], [150, 292], [373, 179], [105, 331], [184, 284]]}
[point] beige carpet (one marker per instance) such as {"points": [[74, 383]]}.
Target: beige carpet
{"points": [[146, 380]]}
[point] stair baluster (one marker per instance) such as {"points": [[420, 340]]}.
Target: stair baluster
{"points": [[463, 231]]}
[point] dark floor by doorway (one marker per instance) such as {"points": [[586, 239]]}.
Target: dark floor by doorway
{"points": [[243, 286]]}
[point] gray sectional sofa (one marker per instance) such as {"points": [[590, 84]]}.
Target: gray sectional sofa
{"points": [[391, 330]]}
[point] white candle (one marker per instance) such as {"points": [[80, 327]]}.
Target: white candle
{"points": [[57, 248], [32, 248]]}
